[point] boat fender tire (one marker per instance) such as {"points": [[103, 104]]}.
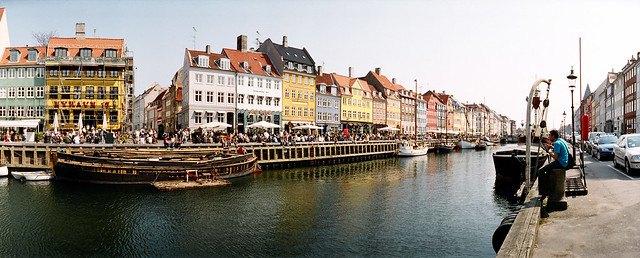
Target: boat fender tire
{"points": [[23, 179], [500, 234]]}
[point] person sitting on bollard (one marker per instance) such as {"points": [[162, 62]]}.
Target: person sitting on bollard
{"points": [[560, 154]]}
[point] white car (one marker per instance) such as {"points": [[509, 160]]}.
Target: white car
{"points": [[626, 152]]}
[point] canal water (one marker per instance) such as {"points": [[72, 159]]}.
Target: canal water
{"points": [[432, 206]]}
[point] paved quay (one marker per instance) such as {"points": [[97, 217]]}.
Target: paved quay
{"points": [[603, 223]]}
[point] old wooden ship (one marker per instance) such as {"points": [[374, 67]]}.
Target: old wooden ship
{"points": [[149, 166]]}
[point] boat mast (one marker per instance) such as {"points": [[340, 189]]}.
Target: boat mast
{"points": [[415, 119], [528, 131]]}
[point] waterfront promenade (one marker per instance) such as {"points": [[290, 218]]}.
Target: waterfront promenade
{"points": [[603, 223]]}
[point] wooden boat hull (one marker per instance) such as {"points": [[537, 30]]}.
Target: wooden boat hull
{"points": [[105, 170], [32, 176], [511, 167]]}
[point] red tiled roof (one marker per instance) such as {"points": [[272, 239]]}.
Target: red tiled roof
{"points": [[365, 88], [159, 97], [385, 82], [213, 57], [325, 78], [24, 54], [257, 62], [98, 45]]}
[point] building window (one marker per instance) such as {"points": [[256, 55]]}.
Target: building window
{"points": [[110, 53], [30, 72], [260, 98], [299, 79], [32, 55], [21, 92], [300, 94], [113, 117], [293, 78], [3, 111], [113, 73], [268, 101], [306, 81], [336, 118], [268, 84], [276, 102], [60, 52], [250, 82], [300, 112], [286, 77], [209, 78], [311, 81], [102, 92], [114, 92], [88, 92], [240, 98], [220, 97], [277, 85], [240, 80], [230, 97], [3, 73], [286, 93], [77, 72], [40, 92], [12, 93], [250, 100], [198, 77], [198, 95], [102, 73], [14, 55], [30, 92], [209, 117], [3, 93], [260, 82], [20, 111], [220, 80], [12, 73], [39, 111], [30, 111], [286, 111], [77, 92], [90, 72], [231, 81], [197, 117], [66, 72], [210, 96], [306, 95], [12, 111]]}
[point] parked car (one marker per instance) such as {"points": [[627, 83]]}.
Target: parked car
{"points": [[626, 152], [588, 145], [603, 146]]}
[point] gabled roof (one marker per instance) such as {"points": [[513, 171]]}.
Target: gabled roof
{"points": [[294, 54], [213, 57], [587, 92], [24, 54], [343, 82], [365, 87], [325, 78], [257, 62], [384, 81], [98, 45], [159, 97]]}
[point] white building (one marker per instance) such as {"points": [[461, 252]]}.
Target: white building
{"points": [[259, 86], [4, 31], [141, 102], [208, 89]]}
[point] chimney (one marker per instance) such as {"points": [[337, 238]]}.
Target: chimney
{"points": [[350, 71], [319, 70], [393, 80], [378, 70], [208, 49], [285, 43], [80, 30], [242, 43]]}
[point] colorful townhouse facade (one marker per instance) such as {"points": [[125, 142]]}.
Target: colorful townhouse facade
{"points": [[22, 83], [393, 113], [259, 86], [356, 103], [89, 78], [298, 81], [328, 102]]}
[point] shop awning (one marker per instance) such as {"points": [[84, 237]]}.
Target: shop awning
{"points": [[30, 123]]}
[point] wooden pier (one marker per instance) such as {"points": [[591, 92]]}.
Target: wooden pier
{"points": [[36, 155]]}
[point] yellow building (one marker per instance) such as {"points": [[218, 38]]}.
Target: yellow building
{"points": [[357, 104], [89, 78], [298, 82]]}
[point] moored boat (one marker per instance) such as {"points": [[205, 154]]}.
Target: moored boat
{"points": [[510, 167], [4, 171], [466, 144], [411, 150], [32, 175], [444, 148], [145, 167]]}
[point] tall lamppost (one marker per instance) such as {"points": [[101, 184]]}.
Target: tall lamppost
{"points": [[564, 123], [572, 85]]}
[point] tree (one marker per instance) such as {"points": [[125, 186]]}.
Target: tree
{"points": [[42, 38]]}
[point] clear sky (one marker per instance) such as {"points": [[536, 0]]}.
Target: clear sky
{"points": [[479, 51]]}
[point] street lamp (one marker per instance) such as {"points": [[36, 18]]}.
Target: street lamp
{"points": [[572, 86]]}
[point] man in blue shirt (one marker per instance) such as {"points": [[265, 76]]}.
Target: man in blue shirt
{"points": [[560, 154]]}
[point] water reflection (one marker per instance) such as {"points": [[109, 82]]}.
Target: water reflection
{"points": [[433, 205]]}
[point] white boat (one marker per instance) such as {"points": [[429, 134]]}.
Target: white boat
{"points": [[466, 145], [4, 171], [32, 175], [410, 150]]}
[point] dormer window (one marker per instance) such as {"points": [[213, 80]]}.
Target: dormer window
{"points": [[299, 67], [245, 65], [33, 55], [267, 69], [85, 52], [60, 52], [309, 69], [14, 55], [224, 63], [203, 61], [346, 90], [110, 53], [290, 65], [333, 91], [323, 88]]}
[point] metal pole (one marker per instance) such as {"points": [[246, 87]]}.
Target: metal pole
{"points": [[573, 136], [528, 131]]}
